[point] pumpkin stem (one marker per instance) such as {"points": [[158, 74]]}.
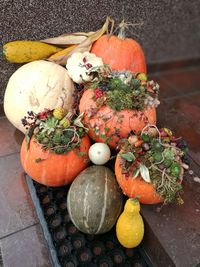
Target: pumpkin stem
{"points": [[135, 199], [112, 27], [125, 25]]}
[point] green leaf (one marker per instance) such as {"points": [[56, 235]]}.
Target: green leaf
{"points": [[129, 156], [145, 137], [135, 83], [175, 169], [144, 171], [168, 154]]}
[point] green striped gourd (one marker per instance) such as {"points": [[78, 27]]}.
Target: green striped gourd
{"points": [[94, 200]]}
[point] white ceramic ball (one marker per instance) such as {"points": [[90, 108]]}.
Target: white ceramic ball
{"points": [[99, 153]]}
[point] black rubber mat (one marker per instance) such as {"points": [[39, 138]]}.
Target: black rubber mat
{"points": [[67, 245]]}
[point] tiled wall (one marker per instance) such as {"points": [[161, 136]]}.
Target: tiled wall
{"points": [[171, 29]]}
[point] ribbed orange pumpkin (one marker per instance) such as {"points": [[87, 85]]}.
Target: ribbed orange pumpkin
{"points": [[52, 169], [136, 187], [119, 52], [110, 124]]}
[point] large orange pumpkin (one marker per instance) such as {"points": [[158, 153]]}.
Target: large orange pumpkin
{"points": [[52, 169], [108, 125], [136, 187], [119, 52]]}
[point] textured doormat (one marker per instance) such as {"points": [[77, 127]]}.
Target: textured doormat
{"points": [[68, 246]]}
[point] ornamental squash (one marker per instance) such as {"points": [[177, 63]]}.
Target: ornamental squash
{"points": [[99, 153], [130, 225], [52, 169], [79, 66], [119, 52], [94, 200], [27, 51], [34, 87]]}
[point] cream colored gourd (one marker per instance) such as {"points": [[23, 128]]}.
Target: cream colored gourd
{"points": [[99, 153], [80, 64], [34, 87]]}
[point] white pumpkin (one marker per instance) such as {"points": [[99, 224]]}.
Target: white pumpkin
{"points": [[99, 153], [34, 87]]}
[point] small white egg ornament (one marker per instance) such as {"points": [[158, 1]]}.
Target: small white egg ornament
{"points": [[99, 153]]}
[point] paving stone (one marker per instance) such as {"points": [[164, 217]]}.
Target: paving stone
{"points": [[166, 90], [10, 138], [177, 228], [185, 81], [25, 248], [16, 207], [182, 115]]}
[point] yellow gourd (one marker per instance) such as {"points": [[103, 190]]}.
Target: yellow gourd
{"points": [[130, 226], [27, 51]]}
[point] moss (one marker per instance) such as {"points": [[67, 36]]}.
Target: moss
{"points": [[124, 93]]}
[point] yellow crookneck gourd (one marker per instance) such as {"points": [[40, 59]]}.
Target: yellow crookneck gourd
{"points": [[130, 226]]}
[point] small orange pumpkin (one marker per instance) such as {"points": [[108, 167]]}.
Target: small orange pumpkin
{"points": [[108, 125], [136, 187], [52, 169], [119, 52]]}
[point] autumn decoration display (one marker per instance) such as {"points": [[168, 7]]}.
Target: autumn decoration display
{"points": [[85, 100]]}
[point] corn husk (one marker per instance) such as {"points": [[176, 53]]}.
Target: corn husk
{"points": [[68, 39], [62, 52], [85, 45]]}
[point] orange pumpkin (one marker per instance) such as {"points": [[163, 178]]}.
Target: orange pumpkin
{"points": [[136, 187], [52, 169], [108, 125], [119, 52]]}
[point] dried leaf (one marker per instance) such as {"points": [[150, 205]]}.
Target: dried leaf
{"points": [[85, 45], [129, 156], [68, 39], [37, 160], [63, 52], [144, 171], [28, 136], [78, 121], [136, 173]]}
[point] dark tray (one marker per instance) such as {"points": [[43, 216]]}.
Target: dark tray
{"points": [[68, 247]]}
